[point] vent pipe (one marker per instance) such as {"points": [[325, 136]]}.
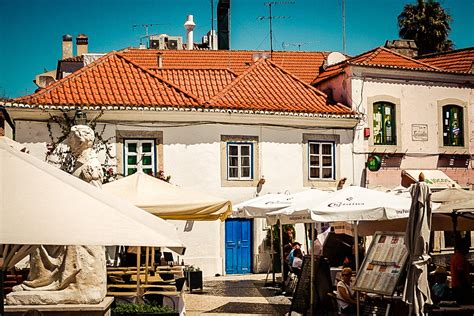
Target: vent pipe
{"points": [[189, 25]]}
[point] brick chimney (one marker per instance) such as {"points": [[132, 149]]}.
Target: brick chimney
{"points": [[82, 44], [67, 46], [404, 47]]}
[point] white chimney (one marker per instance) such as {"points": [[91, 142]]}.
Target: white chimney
{"points": [[189, 26]]}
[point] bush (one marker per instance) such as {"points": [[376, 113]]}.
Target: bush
{"points": [[130, 308]]}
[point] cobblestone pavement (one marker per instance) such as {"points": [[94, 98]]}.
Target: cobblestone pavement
{"points": [[236, 295]]}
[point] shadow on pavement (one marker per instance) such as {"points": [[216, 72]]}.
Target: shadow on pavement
{"points": [[249, 308]]}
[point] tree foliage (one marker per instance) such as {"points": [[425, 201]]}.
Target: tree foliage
{"points": [[428, 24]]}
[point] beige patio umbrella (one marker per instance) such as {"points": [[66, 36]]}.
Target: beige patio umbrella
{"points": [[42, 205], [169, 201]]}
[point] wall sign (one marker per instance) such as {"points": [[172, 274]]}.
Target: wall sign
{"points": [[374, 162], [419, 132]]}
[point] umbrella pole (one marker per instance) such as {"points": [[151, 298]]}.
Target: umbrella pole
{"points": [[281, 256], [311, 302], [153, 258], [272, 254], [147, 259], [138, 270], [356, 256]]}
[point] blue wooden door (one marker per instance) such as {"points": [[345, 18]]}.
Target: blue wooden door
{"points": [[238, 246]]}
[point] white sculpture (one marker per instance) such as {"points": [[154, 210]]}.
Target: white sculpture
{"points": [[68, 274]]}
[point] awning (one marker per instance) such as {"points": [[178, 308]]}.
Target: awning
{"points": [[436, 179]]}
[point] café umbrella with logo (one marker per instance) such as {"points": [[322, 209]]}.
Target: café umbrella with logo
{"points": [[356, 204]]}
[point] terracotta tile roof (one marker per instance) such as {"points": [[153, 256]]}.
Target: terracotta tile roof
{"points": [[304, 65], [380, 57], [461, 60], [268, 87], [111, 81], [204, 83]]}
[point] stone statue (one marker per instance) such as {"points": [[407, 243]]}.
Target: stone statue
{"points": [[68, 274]]}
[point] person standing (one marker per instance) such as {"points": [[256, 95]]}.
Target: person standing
{"points": [[460, 279]]}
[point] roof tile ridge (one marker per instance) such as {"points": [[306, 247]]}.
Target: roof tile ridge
{"points": [[307, 85], [176, 87], [437, 54], [235, 82], [372, 55], [68, 78], [409, 58], [350, 61]]}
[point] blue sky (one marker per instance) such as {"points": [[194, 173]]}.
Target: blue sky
{"points": [[31, 30]]}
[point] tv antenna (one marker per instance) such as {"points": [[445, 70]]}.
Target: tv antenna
{"points": [[284, 45], [270, 17], [146, 27]]}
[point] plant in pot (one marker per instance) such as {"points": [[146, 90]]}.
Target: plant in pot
{"points": [[133, 309], [193, 277]]}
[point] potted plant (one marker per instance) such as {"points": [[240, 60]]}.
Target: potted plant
{"points": [[142, 310], [193, 277]]}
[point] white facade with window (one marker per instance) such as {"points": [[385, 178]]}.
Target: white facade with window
{"points": [[201, 156]]}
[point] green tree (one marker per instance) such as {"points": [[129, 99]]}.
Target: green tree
{"points": [[428, 24]]}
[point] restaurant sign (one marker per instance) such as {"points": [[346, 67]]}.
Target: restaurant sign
{"points": [[374, 162]]}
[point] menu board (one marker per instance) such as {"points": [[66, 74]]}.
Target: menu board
{"points": [[382, 265]]}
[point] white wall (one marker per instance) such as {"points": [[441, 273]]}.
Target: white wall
{"points": [[191, 156], [418, 105]]}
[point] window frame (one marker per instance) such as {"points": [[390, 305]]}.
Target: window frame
{"points": [[447, 128], [321, 167], [393, 120], [139, 166], [239, 159]]}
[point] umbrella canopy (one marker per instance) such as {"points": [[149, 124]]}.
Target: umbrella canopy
{"points": [[168, 201], [451, 195], [260, 206], [355, 203], [455, 202], [417, 240], [42, 205], [299, 211]]}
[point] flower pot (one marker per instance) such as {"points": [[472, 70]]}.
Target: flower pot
{"points": [[193, 279]]}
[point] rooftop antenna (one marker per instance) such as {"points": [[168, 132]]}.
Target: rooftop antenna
{"points": [[146, 27], [344, 26], [270, 17], [284, 45]]}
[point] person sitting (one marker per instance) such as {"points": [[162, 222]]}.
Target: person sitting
{"points": [[297, 262], [440, 289], [345, 297], [291, 256]]}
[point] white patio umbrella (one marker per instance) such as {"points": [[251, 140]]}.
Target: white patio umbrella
{"points": [[417, 240], [42, 205], [451, 195], [169, 201], [299, 210], [260, 206], [355, 203], [455, 211]]}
